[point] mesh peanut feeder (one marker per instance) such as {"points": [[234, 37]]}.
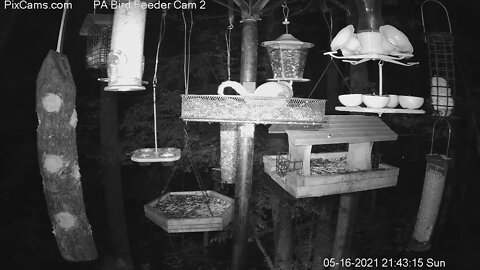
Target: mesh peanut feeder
{"points": [[98, 30], [435, 176]]}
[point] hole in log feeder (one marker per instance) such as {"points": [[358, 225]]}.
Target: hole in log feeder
{"points": [[65, 220], [52, 163], [51, 102], [287, 57]]}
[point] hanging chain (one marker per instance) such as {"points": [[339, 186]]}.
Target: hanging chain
{"points": [[286, 11], [196, 173]]}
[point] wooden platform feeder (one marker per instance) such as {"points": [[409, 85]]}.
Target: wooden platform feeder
{"points": [[334, 173], [178, 212]]}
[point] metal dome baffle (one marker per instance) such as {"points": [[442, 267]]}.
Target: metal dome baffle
{"points": [[287, 57], [98, 30], [435, 176]]}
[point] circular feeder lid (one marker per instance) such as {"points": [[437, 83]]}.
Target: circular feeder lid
{"points": [[167, 154], [287, 41]]}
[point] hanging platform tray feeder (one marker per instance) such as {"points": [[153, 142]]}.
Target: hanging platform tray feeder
{"points": [[168, 154], [188, 211]]}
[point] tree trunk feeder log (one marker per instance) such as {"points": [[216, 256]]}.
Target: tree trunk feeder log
{"points": [[57, 154]]}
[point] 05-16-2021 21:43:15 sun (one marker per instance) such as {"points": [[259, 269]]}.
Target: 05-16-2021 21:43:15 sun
{"points": [[387, 263]]}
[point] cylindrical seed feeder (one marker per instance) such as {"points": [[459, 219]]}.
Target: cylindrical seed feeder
{"points": [[435, 175], [287, 57], [125, 60], [98, 30], [228, 152]]}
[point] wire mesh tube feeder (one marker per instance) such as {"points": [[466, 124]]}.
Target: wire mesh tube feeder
{"points": [[435, 176], [98, 30]]}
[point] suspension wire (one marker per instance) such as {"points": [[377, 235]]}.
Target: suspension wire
{"points": [[228, 34], [186, 50], [286, 12], [154, 81], [321, 77], [186, 73]]}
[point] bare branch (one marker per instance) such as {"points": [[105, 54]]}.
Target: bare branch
{"points": [[259, 5], [243, 5], [227, 6]]}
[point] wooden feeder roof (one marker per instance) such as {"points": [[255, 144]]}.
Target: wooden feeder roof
{"points": [[338, 129]]}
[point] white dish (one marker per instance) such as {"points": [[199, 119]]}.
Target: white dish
{"points": [[396, 38], [393, 102], [375, 101], [350, 100], [410, 102], [342, 37]]}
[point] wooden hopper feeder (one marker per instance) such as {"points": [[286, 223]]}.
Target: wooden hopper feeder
{"points": [[98, 30], [178, 212], [334, 173]]}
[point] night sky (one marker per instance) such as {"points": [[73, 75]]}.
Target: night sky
{"points": [[26, 36]]}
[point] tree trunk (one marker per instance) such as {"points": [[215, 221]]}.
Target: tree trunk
{"points": [[57, 154], [283, 232], [323, 238], [112, 181]]}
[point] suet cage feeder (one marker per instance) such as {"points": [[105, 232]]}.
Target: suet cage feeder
{"points": [[98, 30], [125, 60], [287, 57]]}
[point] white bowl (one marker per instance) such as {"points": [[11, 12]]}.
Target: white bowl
{"points": [[393, 102], [374, 101], [410, 102], [350, 100], [397, 38], [342, 38]]}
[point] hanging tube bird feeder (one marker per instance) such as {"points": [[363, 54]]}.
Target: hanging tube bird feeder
{"points": [[98, 30], [125, 60], [435, 176]]}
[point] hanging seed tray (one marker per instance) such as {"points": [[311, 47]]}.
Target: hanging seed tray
{"points": [[191, 211], [257, 110], [330, 175]]}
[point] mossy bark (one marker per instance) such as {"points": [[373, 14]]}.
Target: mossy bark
{"points": [[57, 154]]}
